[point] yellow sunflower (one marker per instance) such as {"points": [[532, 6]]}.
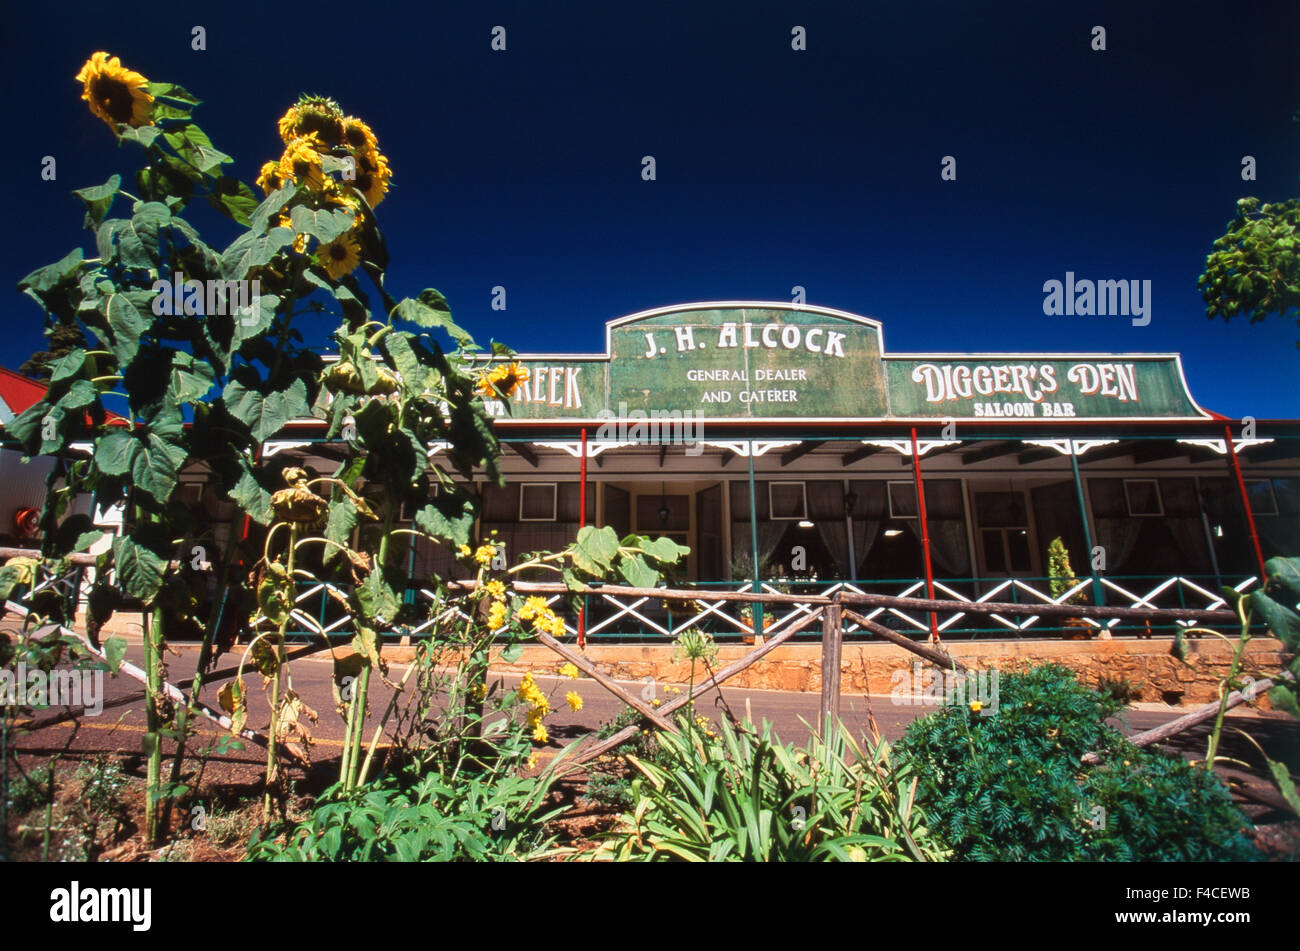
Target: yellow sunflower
{"points": [[310, 115], [373, 176], [115, 94], [358, 135], [268, 179], [341, 256], [301, 162]]}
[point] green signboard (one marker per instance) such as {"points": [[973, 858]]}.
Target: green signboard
{"points": [[768, 361]]}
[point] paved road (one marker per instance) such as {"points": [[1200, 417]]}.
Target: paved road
{"points": [[121, 722]]}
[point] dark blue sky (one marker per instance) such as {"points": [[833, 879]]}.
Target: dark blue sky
{"points": [[775, 168]]}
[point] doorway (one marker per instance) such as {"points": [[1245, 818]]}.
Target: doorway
{"points": [[1004, 540]]}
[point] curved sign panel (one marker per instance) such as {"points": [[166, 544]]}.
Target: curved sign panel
{"points": [[771, 361]]}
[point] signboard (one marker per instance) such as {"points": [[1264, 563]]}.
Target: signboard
{"points": [[774, 361]]}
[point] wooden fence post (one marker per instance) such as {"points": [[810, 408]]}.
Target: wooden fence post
{"points": [[832, 642]]}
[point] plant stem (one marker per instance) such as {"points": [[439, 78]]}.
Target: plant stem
{"points": [[272, 761], [1225, 688]]}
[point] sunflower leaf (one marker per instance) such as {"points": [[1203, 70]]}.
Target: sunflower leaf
{"points": [[252, 250], [98, 199], [431, 310], [323, 224], [266, 413], [270, 206], [171, 91], [233, 199]]}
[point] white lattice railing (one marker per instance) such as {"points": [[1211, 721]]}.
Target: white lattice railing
{"points": [[612, 614]]}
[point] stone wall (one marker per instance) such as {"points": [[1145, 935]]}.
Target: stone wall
{"points": [[1154, 673]]}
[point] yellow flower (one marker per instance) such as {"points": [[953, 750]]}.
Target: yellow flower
{"points": [[532, 607], [372, 175], [341, 256], [495, 588], [548, 622], [313, 115], [358, 135], [463, 549], [573, 700], [532, 761], [497, 615], [269, 178], [976, 706], [539, 734], [485, 553], [301, 162], [570, 671], [115, 94], [503, 379], [532, 694]]}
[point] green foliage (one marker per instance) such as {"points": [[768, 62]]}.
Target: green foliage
{"points": [[410, 817], [1254, 268], [1062, 574], [745, 796], [1012, 786]]}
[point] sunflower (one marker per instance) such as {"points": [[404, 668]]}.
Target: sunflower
{"points": [[115, 94], [358, 135], [503, 379], [269, 178], [310, 115], [301, 162], [373, 176], [341, 256]]}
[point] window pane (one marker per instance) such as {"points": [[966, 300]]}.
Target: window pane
{"points": [[1143, 496], [1001, 509], [537, 501], [902, 499], [787, 500], [994, 559], [1018, 545]]}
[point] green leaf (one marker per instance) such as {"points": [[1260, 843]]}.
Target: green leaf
{"points": [[431, 310], [665, 550], [271, 206], [171, 91], [189, 379], [249, 495], [139, 568], [1282, 777], [1282, 622], [636, 572], [595, 548], [114, 652], [266, 414], [252, 250], [113, 453], [145, 135], [128, 323], [323, 224], [87, 540], [446, 519], [67, 366], [81, 393], [98, 199], [233, 199], [511, 653], [193, 145], [157, 462]]}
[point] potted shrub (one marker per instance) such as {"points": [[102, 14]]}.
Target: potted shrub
{"points": [[1061, 580]]}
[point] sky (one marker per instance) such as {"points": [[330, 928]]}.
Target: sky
{"points": [[774, 167]]}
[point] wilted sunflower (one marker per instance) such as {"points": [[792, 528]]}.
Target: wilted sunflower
{"points": [[358, 135], [301, 163], [115, 94], [269, 178], [341, 256], [373, 176], [310, 115]]}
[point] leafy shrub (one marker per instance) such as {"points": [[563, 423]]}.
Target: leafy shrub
{"points": [[1012, 786], [745, 796], [1119, 688], [430, 818]]}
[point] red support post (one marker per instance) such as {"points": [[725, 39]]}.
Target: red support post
{"points": [[1245, 502], [925, 536], [582, 522]]}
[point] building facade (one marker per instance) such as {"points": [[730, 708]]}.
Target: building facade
{"points": [[791, 452]]}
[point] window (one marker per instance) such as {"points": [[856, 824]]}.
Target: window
{"points": [[537, 501], [1262, 499], [902, 500], [787, 501], [1143, 496]]}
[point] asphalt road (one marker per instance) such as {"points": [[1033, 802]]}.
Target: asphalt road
{"points": [[120, 724]]}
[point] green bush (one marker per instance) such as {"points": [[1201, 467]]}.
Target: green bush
{"points": [[1012, 786], [402, 818], [745, 796]]}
